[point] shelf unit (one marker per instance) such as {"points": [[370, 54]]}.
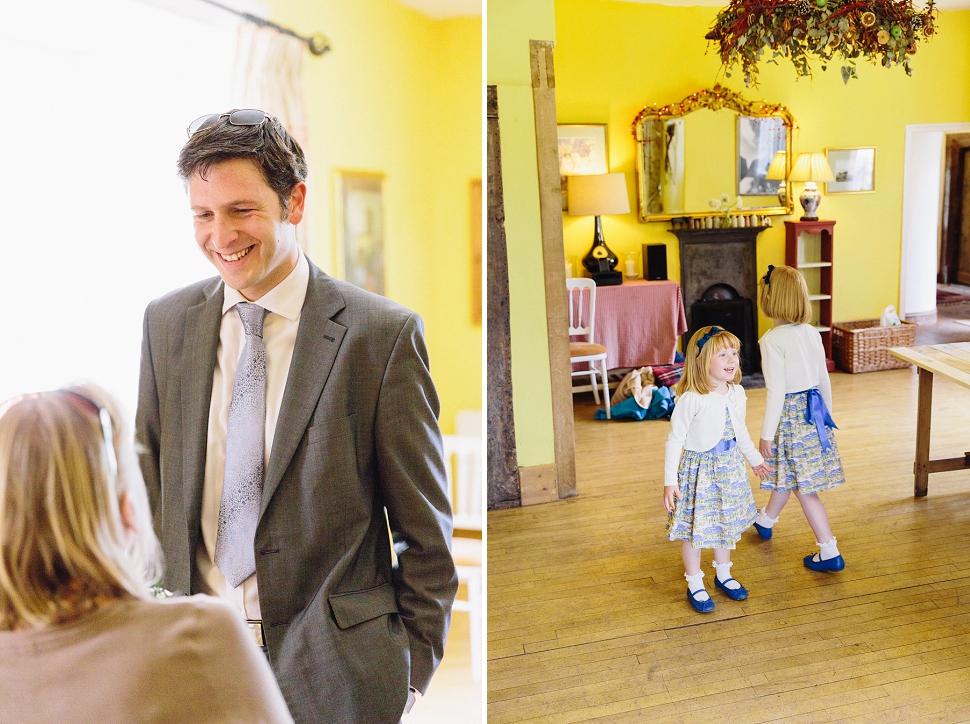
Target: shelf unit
{"points": [[808, 248]]}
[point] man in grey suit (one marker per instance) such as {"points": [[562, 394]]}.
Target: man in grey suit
{"points": [[351, 442]]}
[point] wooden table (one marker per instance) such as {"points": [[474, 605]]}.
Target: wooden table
{"points": [[639, 322], [952, 361]]}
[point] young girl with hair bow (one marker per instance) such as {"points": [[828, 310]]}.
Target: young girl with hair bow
{"points": [[706, 491], [797, 437]]}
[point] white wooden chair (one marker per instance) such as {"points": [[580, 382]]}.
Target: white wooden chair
{"points": [[581, 299], [463, 467]]}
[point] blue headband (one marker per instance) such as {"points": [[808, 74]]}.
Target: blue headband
{"points": [[703, 340], [767, 277]]}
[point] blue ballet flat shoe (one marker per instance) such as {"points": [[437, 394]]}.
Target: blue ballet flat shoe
{"points": [[700, 606], [736, 594], [830, 564], [765, 533]]}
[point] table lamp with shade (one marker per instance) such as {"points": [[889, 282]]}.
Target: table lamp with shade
{"points": [[810, 168], [596, 195], [777, 171]]}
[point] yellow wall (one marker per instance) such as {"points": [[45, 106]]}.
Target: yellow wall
{"points": [[512, 24], [612, 58], [400, 94]]}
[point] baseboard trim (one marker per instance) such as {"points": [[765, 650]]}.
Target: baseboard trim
{"points": [[537, 484], [929, 317]]}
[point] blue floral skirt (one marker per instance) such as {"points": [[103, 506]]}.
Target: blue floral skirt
{"points": [[716, 505], [799, 463]]}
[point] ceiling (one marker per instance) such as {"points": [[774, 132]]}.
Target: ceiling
{"points": [[439, 9]]}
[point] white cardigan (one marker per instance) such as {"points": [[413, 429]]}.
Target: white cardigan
{"points": [[698, 424], [793, 360]]}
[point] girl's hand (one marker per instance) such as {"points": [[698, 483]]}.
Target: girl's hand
{"points": [[763, 470], [764, 447], [670, 492]]}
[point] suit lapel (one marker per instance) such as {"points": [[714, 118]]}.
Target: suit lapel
{"points": [[202, 324], [318, 339]]}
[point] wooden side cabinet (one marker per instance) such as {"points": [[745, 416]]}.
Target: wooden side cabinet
{"points": [[808, 248]]}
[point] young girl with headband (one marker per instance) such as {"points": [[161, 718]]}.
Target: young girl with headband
{"points": [[797, 437], [706, 491]]}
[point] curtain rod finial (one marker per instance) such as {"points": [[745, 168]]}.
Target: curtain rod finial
{"points": [[318, 44]]}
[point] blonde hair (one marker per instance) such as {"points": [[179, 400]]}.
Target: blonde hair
{"points": [[697, 366], [785, 296], [63, 540]]}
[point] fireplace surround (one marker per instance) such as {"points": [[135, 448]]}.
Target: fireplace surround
{"points": [[718, 258]]}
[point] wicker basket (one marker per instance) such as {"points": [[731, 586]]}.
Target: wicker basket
{"points": [[863, 346]]}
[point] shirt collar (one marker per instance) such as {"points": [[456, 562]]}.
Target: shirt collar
{"points": [[285, 299]]}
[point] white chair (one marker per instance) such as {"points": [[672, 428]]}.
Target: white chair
{"points": [[581, 299], [463, 468]]}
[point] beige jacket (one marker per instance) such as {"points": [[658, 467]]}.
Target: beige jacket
{"points": [[133, 662]]}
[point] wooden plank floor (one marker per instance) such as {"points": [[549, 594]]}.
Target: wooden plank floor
{"points": [[587, 615]]}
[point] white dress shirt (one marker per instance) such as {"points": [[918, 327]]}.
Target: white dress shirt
{"points": [[284, 302], [792, 360], [698, 424]]}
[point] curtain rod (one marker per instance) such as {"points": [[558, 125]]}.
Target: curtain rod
{"points": [[317, 43]]}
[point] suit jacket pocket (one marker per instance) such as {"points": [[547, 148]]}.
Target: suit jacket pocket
{"points": [[354, 607], [330, 429]]}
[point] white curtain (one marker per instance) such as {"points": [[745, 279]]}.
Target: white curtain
{"points": [[268, 74]]}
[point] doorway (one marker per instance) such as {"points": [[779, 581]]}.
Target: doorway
{"points": [[954, 265]]}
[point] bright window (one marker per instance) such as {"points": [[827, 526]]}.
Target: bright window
{"points": [[95, 222]]}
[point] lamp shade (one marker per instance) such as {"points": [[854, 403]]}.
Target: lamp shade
{"points": [[811, 167], [597, 194], [776, 171]]}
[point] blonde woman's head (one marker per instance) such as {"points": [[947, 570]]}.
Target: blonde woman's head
{"points": [[706, 342], [784, 295], [74, 521]]}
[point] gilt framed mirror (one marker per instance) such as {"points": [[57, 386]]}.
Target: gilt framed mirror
{"points": [[713, 142]]}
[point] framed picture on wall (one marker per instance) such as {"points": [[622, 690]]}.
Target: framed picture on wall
{"points": [[359, 218], [582, 150], [759, 139], [854, 170]]}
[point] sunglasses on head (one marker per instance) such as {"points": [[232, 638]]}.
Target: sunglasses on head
{"points": [[243, 117], [105, 417]]}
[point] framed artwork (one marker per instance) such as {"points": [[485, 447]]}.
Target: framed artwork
{"points": [[582, 150], [854, 170], [759, 139], [360, 228], [475, 203]]}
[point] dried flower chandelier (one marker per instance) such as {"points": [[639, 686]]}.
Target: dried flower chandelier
{"points": [[883, 32]]}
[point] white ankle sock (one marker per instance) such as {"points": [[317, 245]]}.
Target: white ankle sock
{"points": [[724, 573], [695, 583], [764, 520], [829, 550]]}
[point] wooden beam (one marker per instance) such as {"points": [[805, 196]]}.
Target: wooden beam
{"points": [[503, 478], [554, 262]]}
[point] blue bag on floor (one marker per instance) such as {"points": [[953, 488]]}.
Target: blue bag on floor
{"points": [[661, 405], [628, 409]]}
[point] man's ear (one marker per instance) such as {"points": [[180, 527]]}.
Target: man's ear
{"points": [[297, 204]]}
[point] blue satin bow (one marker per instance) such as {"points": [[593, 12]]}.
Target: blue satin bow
{"points": [[767, 277], [703, 340], [816, 413]]}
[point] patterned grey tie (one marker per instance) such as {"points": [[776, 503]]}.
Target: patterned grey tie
{"points": [[245, 434]]}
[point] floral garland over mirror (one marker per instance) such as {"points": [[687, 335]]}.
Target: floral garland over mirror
{"points": [[883, 32]]}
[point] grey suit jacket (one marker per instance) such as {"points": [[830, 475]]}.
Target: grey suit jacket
{"points": [[357, 434]]}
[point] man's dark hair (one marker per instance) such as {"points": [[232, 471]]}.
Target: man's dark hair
{"points": [[274, 151]]}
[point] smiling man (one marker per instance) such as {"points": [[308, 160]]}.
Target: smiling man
{"points": [[286, 420]]}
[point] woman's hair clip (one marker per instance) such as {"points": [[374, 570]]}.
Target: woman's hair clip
{"points": [[703, 340], [767, 276]]}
